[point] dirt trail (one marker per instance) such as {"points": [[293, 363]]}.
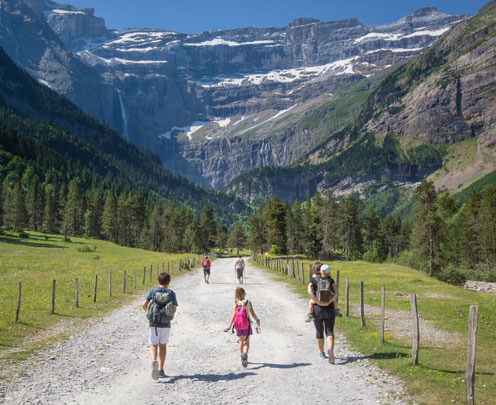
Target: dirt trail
{"points": [[108, 362]]}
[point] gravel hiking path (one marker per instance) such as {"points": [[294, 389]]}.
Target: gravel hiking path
{"points": [[108, 362]]}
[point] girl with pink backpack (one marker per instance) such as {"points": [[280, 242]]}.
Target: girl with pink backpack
{"points": [[240, 319]]}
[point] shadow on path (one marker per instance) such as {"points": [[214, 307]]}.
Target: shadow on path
{"points": [[207, 377], [379, 355], [274, 365]]}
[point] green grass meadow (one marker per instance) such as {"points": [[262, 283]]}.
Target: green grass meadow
{"points": [[439, 376], [37, 261]]}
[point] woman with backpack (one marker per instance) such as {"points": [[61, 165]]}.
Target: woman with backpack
{"points": [[323, 291], [241, 321]]}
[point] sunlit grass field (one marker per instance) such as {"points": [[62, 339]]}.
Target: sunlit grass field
{"points": [[439, 378], [37, 261]]}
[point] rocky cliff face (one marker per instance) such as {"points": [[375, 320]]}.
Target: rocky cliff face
{"points": [[440, 106], [191, 98]]}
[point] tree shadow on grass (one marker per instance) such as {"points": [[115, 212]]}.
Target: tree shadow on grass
{"points": [[26, 242], [207, 377], [283, 366]]}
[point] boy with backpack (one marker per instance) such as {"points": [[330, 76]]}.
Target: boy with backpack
{"points": [[206, 269], [241, 321], [160, 306]]}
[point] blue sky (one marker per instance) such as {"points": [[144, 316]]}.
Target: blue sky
{"points": [[193, 16]]}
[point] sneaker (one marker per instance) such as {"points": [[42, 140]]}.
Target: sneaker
{"points": [[332, 359], [244, 360], [161, 374], [322, 356], [155, 373], [310, 317]]}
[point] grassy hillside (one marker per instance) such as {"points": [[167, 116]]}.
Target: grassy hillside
{"points": [[37, 260], [443, 310]]}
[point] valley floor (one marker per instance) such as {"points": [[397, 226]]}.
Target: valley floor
{"points": [[108, 362]]}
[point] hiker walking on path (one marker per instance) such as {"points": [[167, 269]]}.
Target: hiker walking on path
{"points": [[239, 267], [206, 269], [323, 290], [160, 305], [241, 320]]}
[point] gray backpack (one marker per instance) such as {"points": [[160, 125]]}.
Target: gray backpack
{"points": [[324, 289], [160, 310]]}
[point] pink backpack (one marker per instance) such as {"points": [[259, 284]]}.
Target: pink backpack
{"points": [[241, 318]]}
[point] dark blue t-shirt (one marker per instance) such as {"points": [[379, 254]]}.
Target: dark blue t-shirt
{"points": [[149, 296]]}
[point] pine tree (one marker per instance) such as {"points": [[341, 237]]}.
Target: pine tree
{"points": [[294, 228], [488, 223], [109, 219], [371, 228], [275, 219], [50, 213], [237, 238], [208, 228], [328, 209], [156, 234], [350, 227], [35, 204], [257, 232], [15, 208], [471, 229], [427, 226], [222, 238], [124, 220], [94, 215], [312, 241], [74, 213]]}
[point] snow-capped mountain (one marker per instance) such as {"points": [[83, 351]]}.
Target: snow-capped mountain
{"points": [[198, 100]]}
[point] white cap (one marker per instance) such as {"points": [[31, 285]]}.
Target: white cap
{"points": [[325, 268]]}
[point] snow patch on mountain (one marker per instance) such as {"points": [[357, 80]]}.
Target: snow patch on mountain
{"points": [[221, 41], [188, 130]]}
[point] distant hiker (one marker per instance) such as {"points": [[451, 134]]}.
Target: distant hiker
{"points": [[160, 305], [323, 290], [239, 266], [206, 269], [311, 301], [241, 321]]}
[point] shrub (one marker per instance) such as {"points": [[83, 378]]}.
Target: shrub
{"points": [[453, 275], [371, 256], [87, 249], [23, 235], [483, 272], [275, 250]]}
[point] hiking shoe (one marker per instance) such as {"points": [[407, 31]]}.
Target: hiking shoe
{"points": [[332, 359], [322, 356], [161, 374], [310, 317], [155, 373], [244, 360]]}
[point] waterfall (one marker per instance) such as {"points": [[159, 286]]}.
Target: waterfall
{"points": [[124, 117]]}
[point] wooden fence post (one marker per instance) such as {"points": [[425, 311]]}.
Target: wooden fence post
{"points": [[303, 273], [337, 280], [168, 267], [54, 287], [151, 272], [416, 336], [124, 283], [362, 305], [383, 312], [309, 272], [77, 292], [110, 284], [18, 302], [96, 285], [472, 340], [163, 267], [144, 274], [347, 297]]}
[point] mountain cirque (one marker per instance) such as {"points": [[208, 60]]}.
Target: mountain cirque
{"points": [[209, 104]]}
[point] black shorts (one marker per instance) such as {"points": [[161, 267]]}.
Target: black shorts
{"points": [[206, 272], [239, 273], [322, 324]]}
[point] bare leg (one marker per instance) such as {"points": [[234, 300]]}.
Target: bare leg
{"points": [[247, 344], [330, 343], [162, 351], [153, 352], [241, 343], [320, 344]]}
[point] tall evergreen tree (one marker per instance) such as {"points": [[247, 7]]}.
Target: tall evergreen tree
{"points": [[109, 220], [329, 223], [222, 237], [15, 208], [471, 228], [488, 223], [124, 221], [94, 215], [35, 204], [350, 224], [208, 228], [275, 217], [237, 237], [50, 219], [74, 214], [257, 232], [371, 227], [156, 227], [294, 228], [427, 226], [312, 241]]}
